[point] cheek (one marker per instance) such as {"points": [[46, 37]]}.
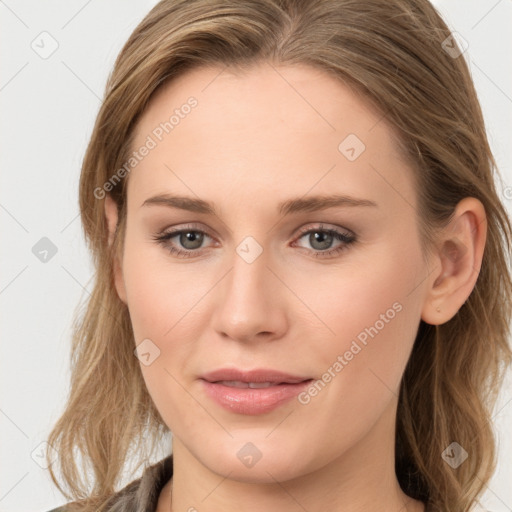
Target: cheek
{"points": [[370, 311], [364, 286], [167, 302], [164, 306], [162, 297], [374, 317]]}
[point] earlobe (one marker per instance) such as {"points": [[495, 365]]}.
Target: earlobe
{"points": [[111, 214], [457, 263]]}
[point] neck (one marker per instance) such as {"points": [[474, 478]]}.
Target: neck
{"points": [[361, 479]]}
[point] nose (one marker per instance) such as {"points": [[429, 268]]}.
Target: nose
{"points": [[250, 301]]}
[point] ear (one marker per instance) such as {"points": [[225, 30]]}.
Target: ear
{"points": [[111, 215], [457, 262]]}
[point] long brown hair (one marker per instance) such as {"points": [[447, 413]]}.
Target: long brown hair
{"points": [[394, 52]]}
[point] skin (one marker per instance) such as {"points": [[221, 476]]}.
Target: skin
{"points": [[254, 140]]}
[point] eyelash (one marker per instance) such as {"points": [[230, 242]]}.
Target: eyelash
{"points": [[164, 237]]}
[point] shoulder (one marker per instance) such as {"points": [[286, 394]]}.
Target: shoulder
{"points": [[140, 494], [67, 507]]}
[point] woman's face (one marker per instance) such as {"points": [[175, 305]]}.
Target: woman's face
{"points": [[278, 278]]}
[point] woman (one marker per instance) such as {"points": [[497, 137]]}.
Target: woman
{"points": [[301, 266]]}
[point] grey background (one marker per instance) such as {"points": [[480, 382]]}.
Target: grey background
{"points": [[48, 109]]}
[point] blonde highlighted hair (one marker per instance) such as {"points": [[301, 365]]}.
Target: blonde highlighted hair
{"points": [[392, 52]]}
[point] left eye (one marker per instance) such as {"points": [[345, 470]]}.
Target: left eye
{"points": [[319, 238], [323, 238]]}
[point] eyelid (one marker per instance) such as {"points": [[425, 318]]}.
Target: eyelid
{"points": [[191, 226], [322, 226]]}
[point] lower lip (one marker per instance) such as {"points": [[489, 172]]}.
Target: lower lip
{"points": [[253, 401]]}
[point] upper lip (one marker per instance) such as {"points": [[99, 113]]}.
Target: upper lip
{"points": [[256, 375]]}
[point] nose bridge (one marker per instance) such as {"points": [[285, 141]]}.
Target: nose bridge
{"points": [[248, 302], [249, 278]]}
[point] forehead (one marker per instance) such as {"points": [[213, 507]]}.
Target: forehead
{"points": [[272, 131]]}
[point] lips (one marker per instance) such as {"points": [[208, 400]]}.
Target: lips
{"points": [[252, 392], [253, 376], [253, 385]]}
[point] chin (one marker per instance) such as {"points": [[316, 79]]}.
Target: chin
{"points": [[258, 462]]}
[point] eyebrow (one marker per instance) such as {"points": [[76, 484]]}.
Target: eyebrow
{"points": [[301, 204]]}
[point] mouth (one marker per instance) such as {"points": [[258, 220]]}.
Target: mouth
{"points": [[256, 376], [252, 392], [253, 385]]}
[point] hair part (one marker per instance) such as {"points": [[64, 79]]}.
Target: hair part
{"points": [[391, 53]]}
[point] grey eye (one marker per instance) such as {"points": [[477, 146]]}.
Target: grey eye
{"points": [[191, 239], [320, 240]]}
